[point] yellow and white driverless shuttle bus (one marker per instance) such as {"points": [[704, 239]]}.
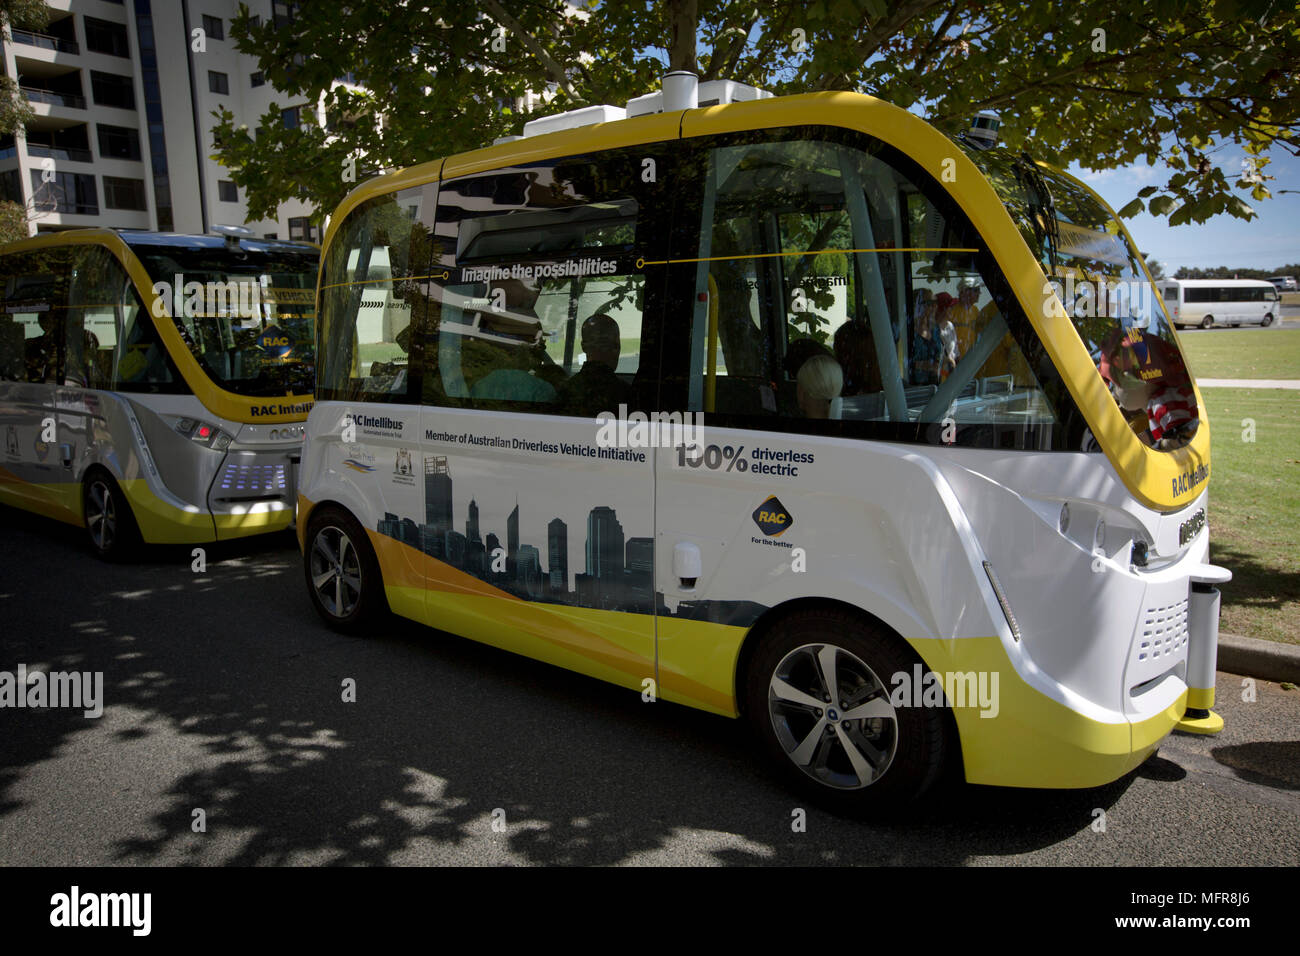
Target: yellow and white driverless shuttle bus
{"points": [[153, 386], [776, 409]]}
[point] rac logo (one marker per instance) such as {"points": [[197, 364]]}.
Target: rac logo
{"points": [[772, 518]]}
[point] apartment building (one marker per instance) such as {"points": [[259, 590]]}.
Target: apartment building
{"points": [[124, 110]]}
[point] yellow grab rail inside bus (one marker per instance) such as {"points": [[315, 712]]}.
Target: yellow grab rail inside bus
{"points": [[711, 359]]}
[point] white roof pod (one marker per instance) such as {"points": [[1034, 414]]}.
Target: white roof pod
{"points": [[682, 90], [587, 116], [709, 93]]}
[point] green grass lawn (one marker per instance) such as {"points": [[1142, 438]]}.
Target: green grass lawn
{"points": [[1243, 353], [1255, 508]]}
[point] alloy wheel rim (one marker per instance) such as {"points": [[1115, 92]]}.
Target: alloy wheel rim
{"points": [[832, 716], [101, 516], [336, 571]]}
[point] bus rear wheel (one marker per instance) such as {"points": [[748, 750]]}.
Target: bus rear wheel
{"points": [[818, 698], [110, 526], [1207, 322], [342, 572]]}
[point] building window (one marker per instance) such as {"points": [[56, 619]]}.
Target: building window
{"points": [[11, 186], [218, 83], [67, 192], [256, 79], [118, 142], [227, 191], [109, 89], [213, 28], [294, 117], [301, 230], [254, 22], [104, 36], [271, 235], [124, 193], [283, 13]]}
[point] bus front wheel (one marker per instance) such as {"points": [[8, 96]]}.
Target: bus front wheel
{"points": [[821, 699], [107, 516], [342, 572], [1268, 320]]}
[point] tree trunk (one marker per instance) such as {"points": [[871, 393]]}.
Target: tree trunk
{"points": [[683, 20]]}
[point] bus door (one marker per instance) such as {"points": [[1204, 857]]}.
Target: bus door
{"points": [[765, 258]]}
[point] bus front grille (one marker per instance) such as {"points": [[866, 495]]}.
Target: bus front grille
{"points": [[1164, 632], [1160, 645]]}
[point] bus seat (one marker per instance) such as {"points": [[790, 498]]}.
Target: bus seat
{"points": [[512, 385], [739, 396], [863, 407]]}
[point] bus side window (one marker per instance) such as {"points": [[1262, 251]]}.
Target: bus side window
{"points": [[39, 291], [141, 362], [92, 317], [12, 364], [376, 287], [818, 249], [545, 300]]}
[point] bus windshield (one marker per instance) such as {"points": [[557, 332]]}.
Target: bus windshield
{"points": [[248, 316], [1098, 276]]}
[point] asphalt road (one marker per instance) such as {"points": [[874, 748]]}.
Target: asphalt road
{"points": [[223, 694]]}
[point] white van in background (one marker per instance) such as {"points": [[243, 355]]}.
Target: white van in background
{"points": [[1283, 283], [1206, 303]]}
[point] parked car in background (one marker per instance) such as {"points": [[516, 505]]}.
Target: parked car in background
{"points": [[1283, 283]]}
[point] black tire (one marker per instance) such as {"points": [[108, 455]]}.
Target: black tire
{"points": [[901, 756], [1268, 320], [106, 515], [1207, 322], [342, 572]]}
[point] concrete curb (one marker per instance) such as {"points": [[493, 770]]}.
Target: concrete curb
{"points": [[1264, 660]]}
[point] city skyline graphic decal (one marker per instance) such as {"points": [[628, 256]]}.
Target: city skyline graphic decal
{"points": [[611, 571]]}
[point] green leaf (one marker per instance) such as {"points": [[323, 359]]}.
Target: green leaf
{"points": [[1131, 209], [1161, 205]]}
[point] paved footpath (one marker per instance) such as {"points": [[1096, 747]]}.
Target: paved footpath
{"points": [[1288, 383]]}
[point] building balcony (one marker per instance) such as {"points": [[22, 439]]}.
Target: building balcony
{"points": [[70, 154], [45, 42], [51, 98]]}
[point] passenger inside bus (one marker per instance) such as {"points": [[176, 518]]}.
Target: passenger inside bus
{"points": [[819, 384], [855, 348], [509, 363], [595, 388], [928, 353], [44, 353]]}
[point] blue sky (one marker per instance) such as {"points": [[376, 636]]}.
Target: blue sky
{"points": [[1267, 242]]}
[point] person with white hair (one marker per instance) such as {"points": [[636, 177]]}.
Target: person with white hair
{"points": [[819, 382]]}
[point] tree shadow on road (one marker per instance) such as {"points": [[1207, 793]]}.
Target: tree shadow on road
{"points": [[445, 737]]}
